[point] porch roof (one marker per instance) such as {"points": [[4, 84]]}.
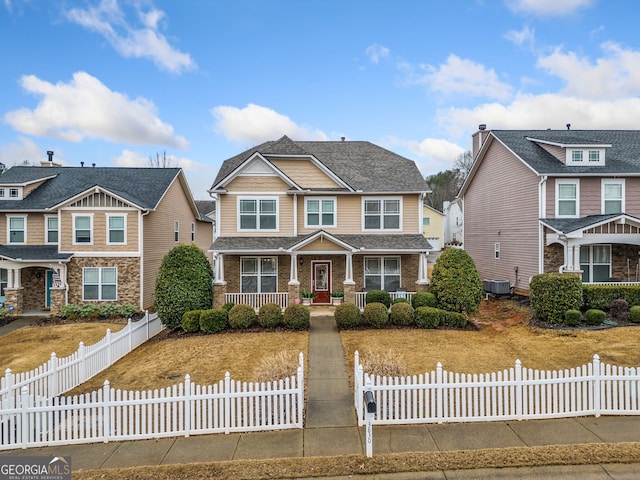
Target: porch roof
{"points": [[569, 225], [360, 243], [33, 253]]}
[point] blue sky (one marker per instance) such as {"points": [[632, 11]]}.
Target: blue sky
{"points": [[114, 82]]}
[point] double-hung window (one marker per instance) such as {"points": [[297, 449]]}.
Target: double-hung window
{"points": [[193, 232], [99, 283], [258, 214], [17, 229], [567, 197], [176, 231], [612, 196], [4, 280], [116, 229], [595, 263], [320, 212], [382, 273], [258, 274], [82, 229], [382, 213], [51, 226]]}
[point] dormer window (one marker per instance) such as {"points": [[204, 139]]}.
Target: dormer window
{"points": [[1, 192], [585, 157], [13, 193], [576, 156], [594, 156]]}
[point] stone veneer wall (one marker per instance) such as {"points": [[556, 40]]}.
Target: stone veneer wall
{"points": [[128, 278], [33, 292], [553, 258]]}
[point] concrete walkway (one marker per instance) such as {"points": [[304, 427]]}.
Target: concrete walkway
{"points": [[331, 429]]}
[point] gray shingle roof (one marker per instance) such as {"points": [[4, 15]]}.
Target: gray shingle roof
{"points": [[33, 253], [568, 225], [206, 207], [360, 241], [362, 165], [623, 157], [141, 186]]}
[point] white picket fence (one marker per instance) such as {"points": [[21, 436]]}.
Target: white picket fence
{"points": [[514, 394], [59, 375], [180, 410]]}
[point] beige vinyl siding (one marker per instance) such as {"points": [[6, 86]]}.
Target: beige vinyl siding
{"points": [[558, 152], [304, 173], [229, 216], [30, 188], [501, 205], [99, 232], [158, 234], [257, 183], [322, 246], [34, 223]]}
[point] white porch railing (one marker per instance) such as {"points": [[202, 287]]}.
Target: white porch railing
{"points": [[362, 296], [514, 394], [180, 410], [59, 375], [256, 300], [614, 284]]}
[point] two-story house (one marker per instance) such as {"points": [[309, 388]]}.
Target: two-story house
{"points": [[317, 216], [542, 201], [77, 235]]}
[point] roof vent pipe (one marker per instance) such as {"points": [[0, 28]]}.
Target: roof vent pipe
{"points": [[82, 164], [50, 155], [342, 138], [568, 126], [482, 126]]}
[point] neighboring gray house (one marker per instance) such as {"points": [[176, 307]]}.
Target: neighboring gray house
{"points": [[554, 200], [317, 216]]}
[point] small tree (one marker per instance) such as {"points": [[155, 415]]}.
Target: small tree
{"points": [[455, 282], [184, 283]]}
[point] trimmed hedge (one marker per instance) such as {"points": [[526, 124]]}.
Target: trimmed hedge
{"points": [[401, 314], [454, 320], [191, 321], [375, 314], [455, 282], [423, 299], [378, 296], [634, 314], [347, 315], [269, 315], [552, 294], [242, 316], [593, 316], [296, 317], [428, 317], [214, 320], [572, 317], [601, 296]]}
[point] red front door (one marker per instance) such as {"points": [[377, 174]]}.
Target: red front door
{"points": [[321, 281]]}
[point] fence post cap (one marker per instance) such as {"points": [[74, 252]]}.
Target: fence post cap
{"points": [[53, 355], [7, 371]]}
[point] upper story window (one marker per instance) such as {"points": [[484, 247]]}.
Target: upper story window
{"points": [[585, 157], [82, 229], [320, 212], [116, 225], [193, 232], [1, 192], [577, 156], [51, 233], [567, 196], [382, 213], [176, 231], [17, 229], [594, 156], [13, 193], [258, 214], [612, 196]]}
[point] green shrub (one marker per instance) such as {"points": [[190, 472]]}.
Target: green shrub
{"points": [[423, 299], [214, 320], [375, 314], [572, 317], [228, 306], [184, 283], [347, 315], [454, 320], [634, 314], [619, 310], [191, 321], [378, 296], [296, 317], [400, 300], [127, 310], [3, 313], [428, 317], [552, 294], [242, 316], [402, 314], [70, 312], [269, 315], [109, 310], [90, 311], [455, 282], [601, 296], [593, 316]]}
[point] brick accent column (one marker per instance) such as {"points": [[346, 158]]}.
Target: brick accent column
{"points": [[219, 292], [57, 300], [349, 292], [294, 291], [13, 298]]}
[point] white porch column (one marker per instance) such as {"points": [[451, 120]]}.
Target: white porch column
{"points": [[293, 277], [576, 258], [219, 261], [423, 268], [14, 281], [348, 268]]}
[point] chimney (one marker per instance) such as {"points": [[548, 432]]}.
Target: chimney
{"points": [[478, 138], [50, 163]]}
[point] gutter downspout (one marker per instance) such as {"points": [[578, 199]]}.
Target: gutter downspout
{"points": [[542, 213], [141, 215]]}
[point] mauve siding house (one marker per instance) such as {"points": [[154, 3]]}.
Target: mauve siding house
{"points": [[539, 201]]}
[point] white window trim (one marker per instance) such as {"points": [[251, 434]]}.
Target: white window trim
{"points": [[496, 250], [24, 219], [109, 216], [591, 264], [47, 229], [321, 225], [610, 181], [18, 195], [73, 218], [382, 199], [257, 199], [585, 156], [99, 299], [259, 274], [382, 275], [567, 181]]}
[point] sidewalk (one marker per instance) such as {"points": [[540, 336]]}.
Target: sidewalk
{"points": [[331, 429]]}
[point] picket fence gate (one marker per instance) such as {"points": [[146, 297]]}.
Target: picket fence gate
{"points": [[59, 375], [516, 393], [180, 410]]}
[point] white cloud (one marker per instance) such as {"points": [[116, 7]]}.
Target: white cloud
{"points": [[526, 36], [24, 149], [376, 52], [460, 76], [617, 75], [86, 108], [129, 158], [255, 124], [145, 41], [547, 7], [435, 154]]}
